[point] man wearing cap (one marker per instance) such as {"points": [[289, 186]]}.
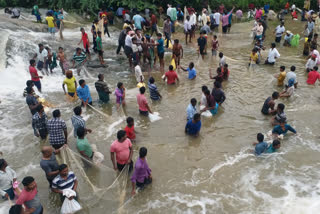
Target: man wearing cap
{"points": [[7, 177], [287, 38]]}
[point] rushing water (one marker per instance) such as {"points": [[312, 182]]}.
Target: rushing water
{"points": [[214, 173]]}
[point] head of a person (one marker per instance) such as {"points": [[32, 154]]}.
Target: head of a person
{"points": [[29, 90], [280, 107], [188, 18], [176, 41], [29, 183], [143, 152], [82, 30], [275, 95], [293, 68], [120, 85], [282, 68], [168, 19], [191, 65], [60, 49], [254, 50], [260, 137], [29, 83], [273, 45], [193, 102], [69, 74], [16, 209], [47, 151], [63, 170], [215, 37], [130, 121], [81, 132], [151, 80], [315, 68], [41, 47], [201, 34], [204, 88], [170, 68], [100, 77], [196, 117], [33, 62], [217, 84], [56, 113], [219, 70], [315, 36], [121, 136], [142, 90], [40, 108], [135, 63], [82, 83], [276, 144], [159, 35], [220, 54], [281, 24], [78, 51], [77, 110], [207, 93], [3, 164], [95, 21], [282, 122]]}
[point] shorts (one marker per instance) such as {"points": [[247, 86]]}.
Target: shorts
{"points": [[214, 52], [193, 27], [100, 52], [37, 84], [278, 39], [144, 113], [145, 182], [38, 17], [52, 30], [40, 65], [128, 51], [154, 28], [71, 94], [121, 166], [87, 49], [215, 110], [10, 193], [161, 55], [268, 63], [43, 133], [258, 37], [224, 29], [57, 146], [202, 51], [229, 25]]}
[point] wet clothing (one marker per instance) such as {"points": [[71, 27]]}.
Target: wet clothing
{"points": [[71, 85], [31, 100], [154, 94], [77, 122], [130, 132], [271, 149], [266, 106], [84, 146], [313, 76], [84, 94], [202, 44], [278, 130], [61, 184], [103, 91], [141, 172], [122, 150], [191, 111], [6, 180], [56, 128], [171, 77], [193, 128], [218, 95], [260, 148], [48, 166], [40, 124], [31, 200]]}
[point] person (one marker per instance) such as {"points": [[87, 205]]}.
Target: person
{"points": [[218, 77], [205, 28], [294, 15], [51, 24], [214, 45], [120, 95], [86, 42], [29, 196], [154, 22], [7, 177], [122, 38], [129, 129], [154, 93], [310, 26], [292, 75], [78, 121], [29, 84], [266, 8], [51, 62], [314, 42], [65, 180], [102, 89], [280, 29], [171, 76], [239, 15], [188, 29], [312, 62], [287, 38], [49, 163], [94, 30], [192, 73], [128, 46], [34, 75], [313, 76], [144, 108], [79, 58], [193, 126], [105, 23], [137, 19], [225, 21], [142, 173], [32, 101], [83, 145], [138, 72], [273, 55], [281, 76], [258, 30], [258, 13], [216, 17], [57, 128], [177, 52], [261, 146], [283, 128], [212, 105], [269, 103], [63, 63], [173, 18], [253, 57], [203, 100], [99, 48], [306, 47], [36, 13], [16, 209], [71, 83], [167, 31], [122, 149], [192, 109], [280, 115], [202, 43], [288, 92], [160, 49], [275, 146], [41, 55], [83, 93], [39, 123], [225, 72], [218, 93], [222, 60]]}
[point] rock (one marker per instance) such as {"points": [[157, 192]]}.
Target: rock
{"points": [[272, 15]]}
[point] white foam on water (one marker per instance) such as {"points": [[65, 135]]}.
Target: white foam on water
{"points": [[112, 127]]}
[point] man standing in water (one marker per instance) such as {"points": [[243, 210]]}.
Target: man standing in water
{"points": [[34, 75], [49, 163], [78, 121], [122, 149], [191, 109], [39, 123], [122, 38], [84, 93], [269, 103], [51, 24], [194, 125], [160, 49], [188, 29], [85, 41], [79, 58], [32, 101], [202, 43], [7, 177], [99, 48], [261, 146], [144, 108], [171, 76], [57, 128], [273, 55], [41, 55], [212, 105], [71, 83], [280, 29], [102, 89], [167, 30], [177, 52]]}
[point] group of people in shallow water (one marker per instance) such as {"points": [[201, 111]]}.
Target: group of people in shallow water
{"points": [[142, 52]]}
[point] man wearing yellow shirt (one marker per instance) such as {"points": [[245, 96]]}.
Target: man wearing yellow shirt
{"points": [[281, 76], [51, 24], [71, 83], [254, 57]]}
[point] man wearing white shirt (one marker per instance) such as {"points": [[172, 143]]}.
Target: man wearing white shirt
{"points": [[187, 29], [128, 47], [138, 72], [291, 75], [312, 62], [273, 55], [169, 10], [280, 29], [204, 19], [41, 56], [217, 16], [193, 22], [7, 177]]}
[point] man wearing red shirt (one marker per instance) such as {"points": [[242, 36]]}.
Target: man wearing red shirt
{"points": [[34, 74], [144, 108], [154, 22], [171, 76], [313, 76], [86, 42]]}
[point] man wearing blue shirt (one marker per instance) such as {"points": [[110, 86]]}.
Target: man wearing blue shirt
{"points": [[192, 72], [261, 146], [283, 128], [83, 93], [191, 109], [137, 19], [193, 126]]}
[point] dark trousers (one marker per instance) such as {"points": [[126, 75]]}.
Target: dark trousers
{"points": [[121, 166], [106, 29], [120, 44], [146, 182], [10, 193], [94, 44], [167, 37]]}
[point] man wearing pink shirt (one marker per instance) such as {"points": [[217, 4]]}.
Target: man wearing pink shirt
{"points": [[122, 149], [144, 108], [225, 21], [258, 14]]}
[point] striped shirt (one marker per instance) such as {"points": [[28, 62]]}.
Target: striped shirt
{"points": [[61, 184], [77, 122], [79, 58], [153, 91]]}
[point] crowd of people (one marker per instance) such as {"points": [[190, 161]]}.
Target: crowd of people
{"points": [[143, 50]]}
